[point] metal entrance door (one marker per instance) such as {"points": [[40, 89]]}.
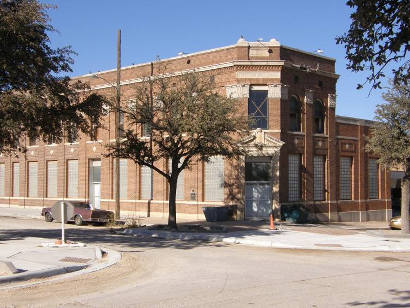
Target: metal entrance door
{"points": [[258, 190], [94, 179]]}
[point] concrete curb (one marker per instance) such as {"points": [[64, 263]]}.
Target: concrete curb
{"points": [[232, 238], [63, 272], [41, 273]]}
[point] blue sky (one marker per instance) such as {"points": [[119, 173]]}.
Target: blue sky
{"points": [[164, 28]]}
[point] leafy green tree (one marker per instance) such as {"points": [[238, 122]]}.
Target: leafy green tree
{"points": [[187, 121], [378, 37], [37, 100], [390, 140]]}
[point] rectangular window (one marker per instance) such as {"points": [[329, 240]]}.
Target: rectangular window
{"points": [[72, 178], [146, 183], [146, 130], [258, 107], [294, 177], [319, 178], [16, 180], [2, 179], [94, 132], [52, 170], [32, 179], [373, 170], [123, 179], [346, 178], [31, 141], [72, 134], [214, 179], [121, 124]]}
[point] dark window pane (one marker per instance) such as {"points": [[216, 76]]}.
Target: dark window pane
{"points": [[258, 108], [257, 171], [319, 117]]}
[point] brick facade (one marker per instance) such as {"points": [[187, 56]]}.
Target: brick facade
{"points": [[284, 72]]}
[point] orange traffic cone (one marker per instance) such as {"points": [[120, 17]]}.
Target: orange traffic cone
{"points": [[272, 224]]}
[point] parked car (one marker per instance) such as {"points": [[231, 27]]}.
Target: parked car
{"points": [[395, 222], [77, 212]]}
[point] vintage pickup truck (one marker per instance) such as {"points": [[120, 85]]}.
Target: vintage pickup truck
{"points": [[77, 212]]}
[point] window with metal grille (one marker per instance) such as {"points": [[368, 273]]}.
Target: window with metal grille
{"points": [[146, 130], [72, 178], [72, 134], [121, 124], [146, 183], [16, 179], [123, 178], [319, 117], [52, 170], [319, 178], [294, 177], [294, 114], [214, 179], [32, 179], [180, 183], [94, 132], [2, 179], [373, 170], [258, 108], [345, 178]]}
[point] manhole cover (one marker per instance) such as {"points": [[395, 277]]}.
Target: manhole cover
{"points": [[74, 260], [328, 245]]}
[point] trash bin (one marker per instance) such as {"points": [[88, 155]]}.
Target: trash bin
{"points": [[215, 213]]}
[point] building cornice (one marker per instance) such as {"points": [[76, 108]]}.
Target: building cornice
{"points": [[355, 121]]}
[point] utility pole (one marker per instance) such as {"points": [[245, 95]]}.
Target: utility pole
{"points": [[150, 139], [117, 129]]}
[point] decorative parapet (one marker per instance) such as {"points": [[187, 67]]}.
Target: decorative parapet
{"points": [[278, 91], [309, 96], [237, 91], [331, 98]]}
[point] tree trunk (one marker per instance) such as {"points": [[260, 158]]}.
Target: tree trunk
{"points": [[405, 199], [172, 209]]}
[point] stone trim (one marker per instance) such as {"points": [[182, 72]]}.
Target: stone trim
{"points": [[237, 91], [331, 98], [278, 91], [257, 74], [308, 96]]}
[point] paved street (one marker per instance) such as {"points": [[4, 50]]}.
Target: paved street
{"points": [[171, 273]]}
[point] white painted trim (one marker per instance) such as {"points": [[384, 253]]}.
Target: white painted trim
{"points": [[198, 69], [161, 61]]}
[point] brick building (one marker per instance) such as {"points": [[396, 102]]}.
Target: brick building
{"points": [[302, 158]]}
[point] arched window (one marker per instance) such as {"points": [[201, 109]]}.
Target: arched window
{"points": [[294, 114], [319, 117]]}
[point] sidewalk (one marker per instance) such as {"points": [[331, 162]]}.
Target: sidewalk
{"points": [[369, 236]]}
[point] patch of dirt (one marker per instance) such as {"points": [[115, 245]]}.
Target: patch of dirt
{"points": [[127, 270], [388, 259]]}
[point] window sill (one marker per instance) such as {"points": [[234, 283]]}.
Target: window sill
{"points": [[297, 133]]}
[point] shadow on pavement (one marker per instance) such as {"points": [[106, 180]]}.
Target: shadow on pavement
{"points": [[401, 299], [104, 236]]}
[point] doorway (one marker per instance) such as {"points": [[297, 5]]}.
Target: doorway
{"points": [[258, 187], [94, 180]]}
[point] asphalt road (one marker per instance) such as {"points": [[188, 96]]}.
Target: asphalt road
{"points": [[161, 273]]}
